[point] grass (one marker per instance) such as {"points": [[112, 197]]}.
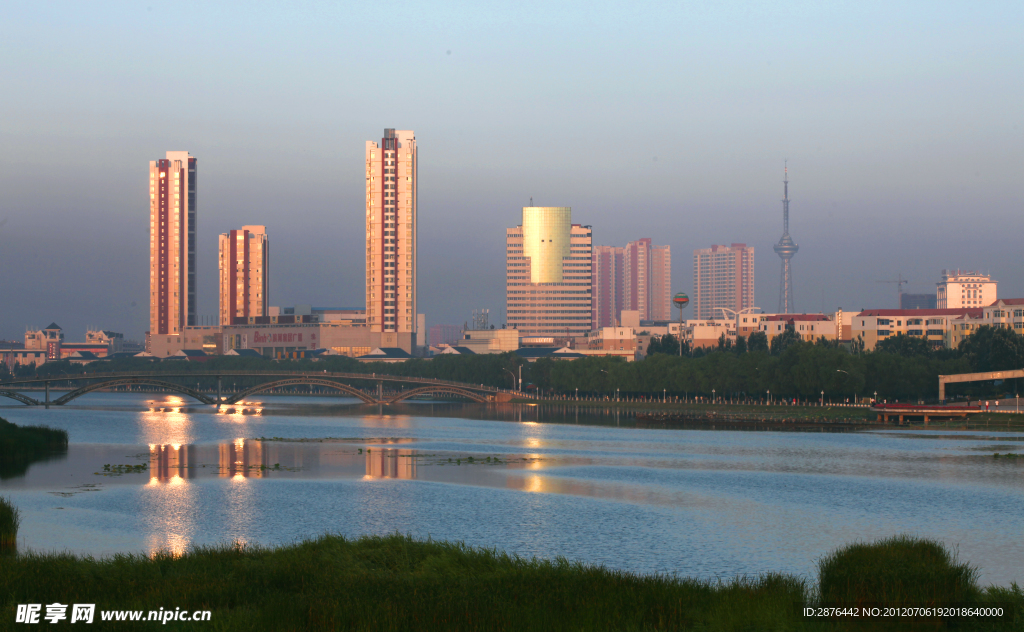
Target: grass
{"points": [[21, 445], [397, 583], [898, 571], [10, 520]]}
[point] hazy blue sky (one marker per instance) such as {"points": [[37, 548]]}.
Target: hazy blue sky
{"points": [[901, 122]]}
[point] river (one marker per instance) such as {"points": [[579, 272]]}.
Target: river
{"points": [[542, 482]]}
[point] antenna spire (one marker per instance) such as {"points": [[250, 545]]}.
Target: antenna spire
{"points": [[786, 248]]}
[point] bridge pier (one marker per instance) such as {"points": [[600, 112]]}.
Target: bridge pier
{"points": [[219, 398], [47, 386]]}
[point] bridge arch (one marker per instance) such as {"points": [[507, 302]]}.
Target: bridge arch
{"points": [[24, 399], [171, 386], [300, 381], [447, 390]]}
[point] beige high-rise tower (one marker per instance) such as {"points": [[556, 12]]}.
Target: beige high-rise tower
{"points": [[723, 277], [172, 244], [548, 274], [244, 274], [391, 227]]}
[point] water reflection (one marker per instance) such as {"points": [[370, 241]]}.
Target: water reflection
{"points": [[391, 464], [167, 462], [242, 459]]}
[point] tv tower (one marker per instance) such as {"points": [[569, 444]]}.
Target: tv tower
{"points": [[786, 249]]}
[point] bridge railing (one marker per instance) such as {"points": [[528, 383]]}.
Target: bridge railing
{"points": [[373, 377]]}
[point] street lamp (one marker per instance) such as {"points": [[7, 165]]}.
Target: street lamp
{"points": [[664, 395], [577, 393], [616, 394], [712, 396], [823, 398], [848, 375], [513, 378]]}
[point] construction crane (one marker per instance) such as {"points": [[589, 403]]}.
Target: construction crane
{"points": [[900, 282]]}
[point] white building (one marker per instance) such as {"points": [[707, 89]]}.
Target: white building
{"points": [[959, 289]]}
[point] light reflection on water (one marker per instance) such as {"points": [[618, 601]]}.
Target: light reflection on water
{"points": [[588, 487]]}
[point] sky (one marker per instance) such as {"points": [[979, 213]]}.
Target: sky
{"points": [[901, 123]]}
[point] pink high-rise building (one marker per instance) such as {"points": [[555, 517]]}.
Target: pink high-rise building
{"points": [[637, 277], [391, 249], [637, 284], [661, 283], [608, 291], [244, 274], [172, 244], [723, 277]]}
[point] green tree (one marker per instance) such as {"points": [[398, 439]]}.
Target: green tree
{"points": [[758, 341], [906, 346], [784, 340], [993, 349]]}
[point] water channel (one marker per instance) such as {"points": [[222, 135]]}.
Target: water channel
{"points": [[531, 480]]}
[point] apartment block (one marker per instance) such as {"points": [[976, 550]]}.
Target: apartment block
{"points": [[172, 244], [244, 274], [607, 268], [637, 277], [391, 239], [723, 280], [549, 274]]}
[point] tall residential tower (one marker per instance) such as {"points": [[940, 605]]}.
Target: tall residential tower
{"points": [[244, 274], [548, 274], [723, 277], [172, 244], [391, 226], [637, 277]]}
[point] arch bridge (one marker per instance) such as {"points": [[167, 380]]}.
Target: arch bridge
{"points": [[342, 382]]}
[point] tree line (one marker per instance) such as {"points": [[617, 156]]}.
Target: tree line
{"points": [[900, 368]]}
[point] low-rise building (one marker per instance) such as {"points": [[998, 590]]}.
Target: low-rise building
{"points": [[935, 325], [809, 327], [482, 341], [624, 341]]}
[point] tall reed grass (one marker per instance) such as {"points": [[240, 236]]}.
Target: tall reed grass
{"points": [[397, 583], [22, 445], [10, 520], [897, 571]]}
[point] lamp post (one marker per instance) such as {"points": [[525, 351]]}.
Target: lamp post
{"points": [[823, 398], [513, 378], [664, 395], [768, 396], [712, 396], [577, 393], [616, 394], [848, 375], [876, 398]]}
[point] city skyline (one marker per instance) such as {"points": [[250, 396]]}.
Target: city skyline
{"points": [[852, 96]]}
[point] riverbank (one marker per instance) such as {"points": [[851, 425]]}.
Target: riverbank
{"points": [[397, 583]]}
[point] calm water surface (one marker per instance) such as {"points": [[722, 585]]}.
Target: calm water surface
{"points": [[559, 482]]}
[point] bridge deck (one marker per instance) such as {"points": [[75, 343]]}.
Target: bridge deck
{"points": [[99, 381]]}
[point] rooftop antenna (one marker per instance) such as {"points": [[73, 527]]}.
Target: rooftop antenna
{"points": [[531, 200]]}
